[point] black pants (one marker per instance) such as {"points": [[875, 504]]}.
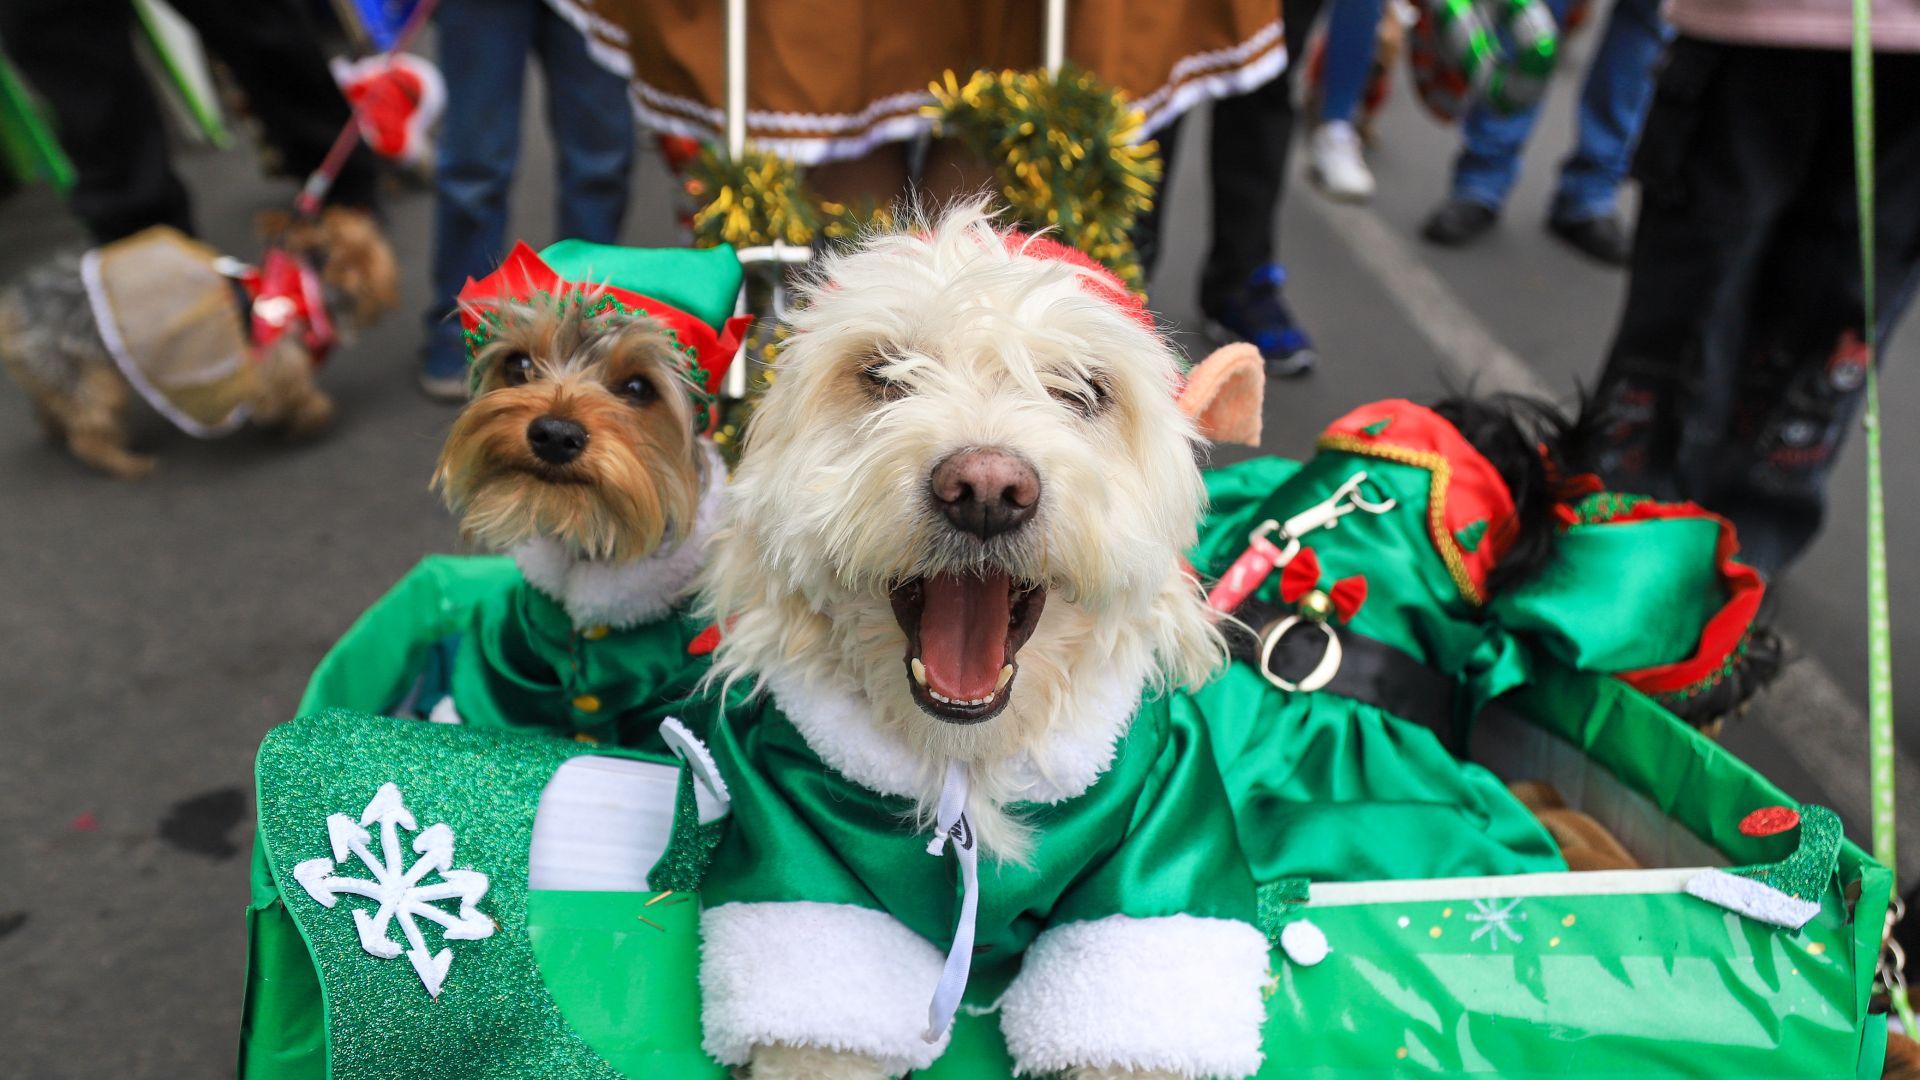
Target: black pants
{"points": [[78, 54], [1737, 367], [1252, 135]]}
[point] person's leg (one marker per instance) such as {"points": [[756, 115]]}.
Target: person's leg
{"points": [[592, 124], [1802, 368], [1353, 27], [483, 58], [1613, 102], [1252, 135], [78, 55], [270, 46], [1720, 161]]}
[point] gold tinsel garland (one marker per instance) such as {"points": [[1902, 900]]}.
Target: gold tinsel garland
{"points": [[1066, 150]]}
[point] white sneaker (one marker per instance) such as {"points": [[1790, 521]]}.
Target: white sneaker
{"points": [[1336, 164]]}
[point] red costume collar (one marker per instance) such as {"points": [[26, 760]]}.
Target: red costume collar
{"points": [[283, 292], [1467, 494]]}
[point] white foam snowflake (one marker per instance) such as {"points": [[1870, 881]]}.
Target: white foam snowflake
{"points": [[403, 893], [1496, 921]]}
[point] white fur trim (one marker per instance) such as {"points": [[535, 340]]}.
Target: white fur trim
{"points": [[1181, 994], [628, 593], [833, 976], [1748, 897], [837, 724]]}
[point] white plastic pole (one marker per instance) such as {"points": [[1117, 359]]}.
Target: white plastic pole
{"points": [[1055, 42], [736, 78]]}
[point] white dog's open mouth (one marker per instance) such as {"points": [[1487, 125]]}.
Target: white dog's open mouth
{"points": [[963, 631]]}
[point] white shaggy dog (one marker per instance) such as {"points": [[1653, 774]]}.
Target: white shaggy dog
{"points": [[955, 543]]}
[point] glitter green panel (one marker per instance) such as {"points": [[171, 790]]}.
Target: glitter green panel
{"points": [[494, 1017], [1805, 874], [683, 865]]}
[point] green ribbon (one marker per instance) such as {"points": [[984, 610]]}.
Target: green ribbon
{"points": [[1879, 620]]}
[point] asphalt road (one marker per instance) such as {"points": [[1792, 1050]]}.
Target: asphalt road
{"points": [[154, 631]]}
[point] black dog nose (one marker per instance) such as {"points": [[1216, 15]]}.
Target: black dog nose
{"points": [[556, 441], [985, 492]]}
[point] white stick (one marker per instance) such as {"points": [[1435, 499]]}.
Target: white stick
{"points": [[736, 78], [1056, 39]]}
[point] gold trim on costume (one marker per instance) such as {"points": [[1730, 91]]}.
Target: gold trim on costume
{"points": [[1437, 464]]}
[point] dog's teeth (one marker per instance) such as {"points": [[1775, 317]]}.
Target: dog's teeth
{"points": [[1006, 676], [919, 671]]}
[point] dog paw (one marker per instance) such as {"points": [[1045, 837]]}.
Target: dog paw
{"points": [[811, 1063], [310, 417]]}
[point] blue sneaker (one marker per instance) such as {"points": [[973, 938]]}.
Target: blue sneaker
{"points": [[1258, 313]]}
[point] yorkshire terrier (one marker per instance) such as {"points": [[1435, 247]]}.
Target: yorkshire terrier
{"points": [[53, 343], [582, 433]]}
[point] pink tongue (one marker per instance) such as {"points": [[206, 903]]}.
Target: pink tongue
{"points": [[963, 633]]}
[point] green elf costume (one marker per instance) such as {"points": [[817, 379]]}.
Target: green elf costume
{"points": [[542, 640], [1125, 938], [1342, 744]]}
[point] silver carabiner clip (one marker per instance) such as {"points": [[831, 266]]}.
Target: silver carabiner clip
{"points": [[1346, 498]]}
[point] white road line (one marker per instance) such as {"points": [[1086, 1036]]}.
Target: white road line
{"points": [[1806, 710]]}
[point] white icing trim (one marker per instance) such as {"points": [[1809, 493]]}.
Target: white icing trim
{"points": [[1237, 68], [104, 321], [1745, 896], [1193, 79], [625, 594], [808, 974], [1181, 995], [1502, 887], [1076, 751]]}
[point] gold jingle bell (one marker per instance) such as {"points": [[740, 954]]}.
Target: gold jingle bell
{"points": [[1316, 606]]}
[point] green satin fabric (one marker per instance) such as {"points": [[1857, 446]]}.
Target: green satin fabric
{"points": [[524, 666], [1332, 789], [1152, 837], [1623, 595]]}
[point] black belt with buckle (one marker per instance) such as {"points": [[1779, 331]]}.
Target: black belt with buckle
{"points": [[1370, 671]]}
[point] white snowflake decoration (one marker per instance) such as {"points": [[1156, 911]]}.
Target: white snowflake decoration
{"points": [[1496, 921], [399, 888]]}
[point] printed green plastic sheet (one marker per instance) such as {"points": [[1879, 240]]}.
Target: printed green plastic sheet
{"points": [[1583, 975]]}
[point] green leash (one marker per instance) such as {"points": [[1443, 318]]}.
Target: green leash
{"points": [[1879, 624]]}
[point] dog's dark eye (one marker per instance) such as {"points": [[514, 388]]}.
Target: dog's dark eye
{"points": [[878, 384], [637, 390], [516, 369], [1089, 398]]}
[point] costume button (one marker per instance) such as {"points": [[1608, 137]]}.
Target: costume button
{"points": [[594, 633], [587, 703]]}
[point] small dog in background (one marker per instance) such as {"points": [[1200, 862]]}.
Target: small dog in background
{"points": [[209, 343], [582, 432]]}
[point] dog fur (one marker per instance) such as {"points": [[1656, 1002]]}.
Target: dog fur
{"points": [[636, 486], [50, 342], [909, 349]]}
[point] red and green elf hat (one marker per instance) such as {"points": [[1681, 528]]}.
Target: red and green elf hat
{"points": [[1650, 592], [690, 292]]}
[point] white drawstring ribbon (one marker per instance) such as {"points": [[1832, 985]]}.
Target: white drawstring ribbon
{"points": [[952, 824]]}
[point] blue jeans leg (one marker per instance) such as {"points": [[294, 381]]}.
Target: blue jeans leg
{"points": [[484, 61], [1613, 103], [1352, 30], [1490, 146], [593, 133]]}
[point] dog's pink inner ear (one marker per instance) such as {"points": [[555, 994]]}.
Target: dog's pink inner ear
{"points": [[1225, 394]]}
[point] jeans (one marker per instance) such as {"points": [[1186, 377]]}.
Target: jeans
{"points": [[1353, 28], [483, 56], [1613, 101], [1737, 369]]}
